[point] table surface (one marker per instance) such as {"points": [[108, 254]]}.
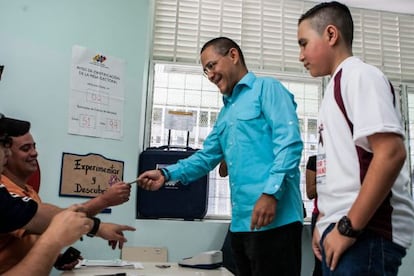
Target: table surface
{"points": [[150, 269]]}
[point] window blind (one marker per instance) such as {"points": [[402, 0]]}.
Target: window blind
{"points": [[266, 31], [406, 31]]}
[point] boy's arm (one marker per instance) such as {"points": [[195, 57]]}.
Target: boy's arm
{"points": [[389, 155], [310, 183], [388, 158]]}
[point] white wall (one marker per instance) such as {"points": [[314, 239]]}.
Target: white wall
{"points": [[36, 38]]}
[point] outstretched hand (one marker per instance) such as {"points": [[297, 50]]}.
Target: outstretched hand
{"points": [[117, 194], [151, 180], [114, 233]]}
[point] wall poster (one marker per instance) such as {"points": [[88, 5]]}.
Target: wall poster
{"points": [[97, 94], [88, 175]]}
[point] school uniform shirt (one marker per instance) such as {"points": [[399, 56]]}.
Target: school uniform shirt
{"points": [[15, 212], [372, 108], [15, 245], [257, 133]]}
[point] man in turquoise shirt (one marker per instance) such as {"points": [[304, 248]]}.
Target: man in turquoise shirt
{"points": [[257, 134]]}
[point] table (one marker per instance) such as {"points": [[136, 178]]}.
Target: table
{"points": [[150, 269]]}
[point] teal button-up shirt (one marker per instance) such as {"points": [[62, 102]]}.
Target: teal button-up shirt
{"points": [[257, 133]]}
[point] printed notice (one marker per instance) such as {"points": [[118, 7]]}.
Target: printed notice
{"points": [[180, 120], [97, 94]]}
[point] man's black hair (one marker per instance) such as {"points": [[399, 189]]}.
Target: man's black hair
{"points": [[222, 45]]}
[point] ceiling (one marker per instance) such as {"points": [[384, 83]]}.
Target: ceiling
{"points": [[399, 6]]}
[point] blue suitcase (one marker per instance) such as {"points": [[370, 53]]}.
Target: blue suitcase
{"points": [[173, 200]]}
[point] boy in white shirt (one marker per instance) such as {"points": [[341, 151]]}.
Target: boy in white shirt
{"points": [[366, 220]]}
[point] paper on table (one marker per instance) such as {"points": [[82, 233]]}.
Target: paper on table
{"points": [[110, 263]]}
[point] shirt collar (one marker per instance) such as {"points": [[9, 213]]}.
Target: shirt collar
{"points": [[247, 80]]}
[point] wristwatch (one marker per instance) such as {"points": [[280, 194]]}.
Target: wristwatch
{"points": [[95, 227], [345, 228]]}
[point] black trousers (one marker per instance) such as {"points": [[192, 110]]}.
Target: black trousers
{"points": [[275, 252]]}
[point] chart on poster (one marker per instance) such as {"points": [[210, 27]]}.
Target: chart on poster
{"points": [[97, 94]]}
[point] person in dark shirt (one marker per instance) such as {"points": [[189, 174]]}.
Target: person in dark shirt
{"points": [[60, 227], [15, 211]]}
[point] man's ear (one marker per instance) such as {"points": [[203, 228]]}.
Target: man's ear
{"points": [[234, 54]]}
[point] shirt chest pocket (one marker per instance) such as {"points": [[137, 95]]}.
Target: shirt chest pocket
{"points": [[250, 114], [250, 124]]}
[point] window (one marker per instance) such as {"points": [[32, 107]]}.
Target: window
{"points": [[202, 98], [266, 32]]}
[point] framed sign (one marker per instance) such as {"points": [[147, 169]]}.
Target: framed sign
{"points": [[88, 175]]}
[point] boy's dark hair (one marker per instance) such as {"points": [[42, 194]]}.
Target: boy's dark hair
{"points": [[222, 45], [333, 13]]}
